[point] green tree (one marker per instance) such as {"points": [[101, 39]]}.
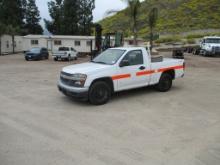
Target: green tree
{"points": [[132, 13], [133, 8], [153, 16], [71, 17], [12, 12], [86, 17], [33, 18], [56, 13]]}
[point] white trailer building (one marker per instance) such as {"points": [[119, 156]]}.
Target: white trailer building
{"points": [[7, 45], [80, 43]]}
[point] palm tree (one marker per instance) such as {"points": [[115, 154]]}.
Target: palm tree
{"points": [[153, 16], [133, 9]]}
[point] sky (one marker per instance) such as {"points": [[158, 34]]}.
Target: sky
{"points": [[102, 6]]}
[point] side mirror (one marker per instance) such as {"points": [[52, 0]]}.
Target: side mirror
{"points": [[124, 63]]}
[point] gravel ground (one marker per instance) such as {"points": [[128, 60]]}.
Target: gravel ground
{"points": [[38, 125]]}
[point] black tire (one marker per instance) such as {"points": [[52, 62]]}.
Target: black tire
{"points": [[75, 58], [165, 83], [27, 59], [55, 59], [99, 93], [47, 57]]}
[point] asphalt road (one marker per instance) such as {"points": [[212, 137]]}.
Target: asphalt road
{"points": [[38, 125]]}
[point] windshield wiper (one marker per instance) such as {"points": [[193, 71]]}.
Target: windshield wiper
{"points": [[99, 62]]}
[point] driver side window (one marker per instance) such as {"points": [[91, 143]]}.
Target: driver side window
{"points": [[134, 57]]}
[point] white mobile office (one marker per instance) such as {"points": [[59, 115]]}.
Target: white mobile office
{"points": [[79, 43], [7, 45]]}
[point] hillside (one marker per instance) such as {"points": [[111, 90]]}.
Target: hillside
{"points": [[174, 16]]}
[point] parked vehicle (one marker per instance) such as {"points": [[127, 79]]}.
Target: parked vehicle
{"points": [[37, 54], [210, 46], [118, 69], [67, 53]]}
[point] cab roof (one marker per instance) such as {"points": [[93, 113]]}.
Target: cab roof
{"points": [[213, 37], [129, 48]]}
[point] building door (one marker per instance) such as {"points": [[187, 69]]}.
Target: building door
{"points": [[49, 45]]}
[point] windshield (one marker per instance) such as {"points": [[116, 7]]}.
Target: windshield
{"points": [[35, 50], [63, 49], [109, 56], [212, 40]]}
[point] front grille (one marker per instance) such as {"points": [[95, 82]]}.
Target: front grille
{"points": [[65, 80], [216, 49]]}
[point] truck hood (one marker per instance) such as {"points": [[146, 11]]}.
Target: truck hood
{"points": [[85, 68], [213, 45]]}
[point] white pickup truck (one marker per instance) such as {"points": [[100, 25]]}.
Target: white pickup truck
{"points": [[210, 46], [118, 69], [67, 53]]}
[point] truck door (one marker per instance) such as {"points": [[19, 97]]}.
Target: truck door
{"points": [[130, 69]]}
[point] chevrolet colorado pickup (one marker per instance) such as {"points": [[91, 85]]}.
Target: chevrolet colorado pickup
{"points": [[118, 69], [67, 53]]}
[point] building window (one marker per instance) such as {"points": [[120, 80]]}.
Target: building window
{"points": [[77, 43], [7, 44], [34, 42], [57, 42], [88, 43]]}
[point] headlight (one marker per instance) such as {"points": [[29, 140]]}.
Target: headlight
{"points": [[76, 80]]}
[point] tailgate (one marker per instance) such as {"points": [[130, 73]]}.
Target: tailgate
{"points": [[59, 53]]}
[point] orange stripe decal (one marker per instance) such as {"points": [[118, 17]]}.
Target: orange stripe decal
{"points": [[122, 76], [143, 73], [146, 72], [169, 68]]}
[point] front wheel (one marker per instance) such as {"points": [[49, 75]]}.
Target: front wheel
{"points": [[55, 59], [99, 93], [165, 83]]}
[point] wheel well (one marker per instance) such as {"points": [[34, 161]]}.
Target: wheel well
{"points": [[171, 73], [108, 80]]}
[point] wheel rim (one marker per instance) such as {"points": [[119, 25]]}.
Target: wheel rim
{"points": [[101, 94], [165, 84]]}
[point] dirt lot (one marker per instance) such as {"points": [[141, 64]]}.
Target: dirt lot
{"points": [[40, 126]]}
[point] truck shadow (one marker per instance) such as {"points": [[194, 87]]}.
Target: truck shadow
{"points": [[134, 93], [144, 91]]}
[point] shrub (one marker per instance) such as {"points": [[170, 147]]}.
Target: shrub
{"points": [[191, 41], [168, 39]]}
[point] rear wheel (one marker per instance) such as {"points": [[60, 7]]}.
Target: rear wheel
{"points": [[99, 93], [165, 83], [55, 59]]}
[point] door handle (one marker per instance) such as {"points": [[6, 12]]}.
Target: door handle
{"points": [[142, 68]]}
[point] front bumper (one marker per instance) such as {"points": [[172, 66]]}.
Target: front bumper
{"points": [[78, 93], [32, 57], [211, 52], [60, 56]]}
